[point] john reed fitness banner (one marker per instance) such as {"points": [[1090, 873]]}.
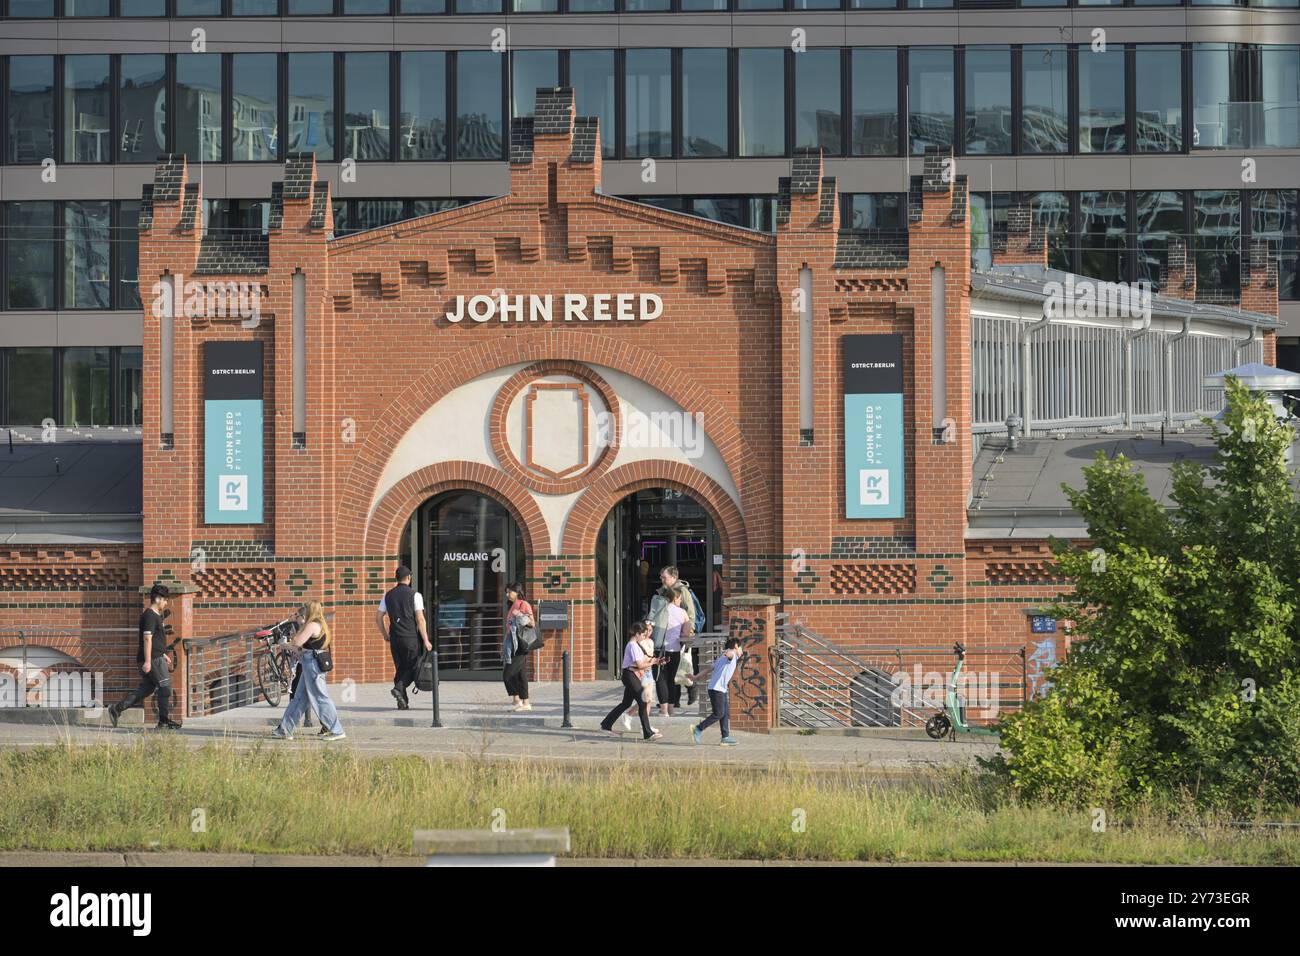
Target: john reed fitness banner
{"points": [[232, 432], [874, 483]]}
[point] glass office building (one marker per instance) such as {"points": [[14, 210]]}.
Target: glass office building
{"points": [[1118, 142]]}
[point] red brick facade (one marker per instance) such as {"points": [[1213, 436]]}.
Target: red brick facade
{"points": [[381, 353]]}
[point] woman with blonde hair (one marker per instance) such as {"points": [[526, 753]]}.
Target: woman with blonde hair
{"points": [[314, 641]]}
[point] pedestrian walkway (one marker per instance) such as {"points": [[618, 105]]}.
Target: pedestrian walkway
{"points": [[478, 722]]}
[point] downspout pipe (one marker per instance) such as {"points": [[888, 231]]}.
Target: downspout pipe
{"points": [[1243, 343], [1026, 373], [1169, 368]]}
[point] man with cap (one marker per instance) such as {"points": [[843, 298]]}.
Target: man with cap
{"points": [[405, 630]]}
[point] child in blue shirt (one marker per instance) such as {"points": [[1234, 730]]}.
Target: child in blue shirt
{"points": [[719, 699]]}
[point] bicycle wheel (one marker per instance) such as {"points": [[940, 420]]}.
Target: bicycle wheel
{"points": [[268, 679]]}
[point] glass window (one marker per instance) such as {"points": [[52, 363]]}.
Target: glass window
{"points": [[373, 213], [695, 6], [1216, 216], [421, 6], [29, 255], [648, 102], [591, 74], [1103, 225], [138, 8], [86, 110], [423, 129], [872, 4], [1275, 216], [311, 104], [479, 128], [254, 8], [374, 8], [536, 6], [760, 101], [815, 4], [1051, 211], [1045, 3], [254, 107], [86, 255], [704, 103], [874, 101], [985, 223], [591, 6], [478, 6], [31, 386], [366, 127], [1045, 114], [342, 217], [1159, 216], [646, 6], [198, 8], [760, 4], [1158, 90], [1220, 79], [130, 406], [871, 211], [728, 209], [762, 213], [309, 8], [817, 100], [930, 97], [988, 100], [529, 70], [1278, 125], [142, 107], [86, 387], [30, 104], [31, 9], [85, 8], [425, 207], [127, 247], [928, 4], [1101, 100], [198, 106]]}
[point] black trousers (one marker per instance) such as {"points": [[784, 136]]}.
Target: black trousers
{"points": [[515, 676], [721, 702], [632, 694], [158, 681], [406, 660], [666, 686]]}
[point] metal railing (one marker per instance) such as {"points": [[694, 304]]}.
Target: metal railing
{"points": [[221, 672], [821, 685]]}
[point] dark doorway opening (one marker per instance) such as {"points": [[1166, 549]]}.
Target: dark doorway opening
{"points": [[644, 532]]}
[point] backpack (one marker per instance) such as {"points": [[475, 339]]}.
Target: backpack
{"points": [[699, 610]]}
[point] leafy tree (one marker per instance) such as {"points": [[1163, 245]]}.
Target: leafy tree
{"points": [[1183, 679]]}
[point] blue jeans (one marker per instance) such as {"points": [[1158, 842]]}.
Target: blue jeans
{"points": [[311, 688], [721, 712]]}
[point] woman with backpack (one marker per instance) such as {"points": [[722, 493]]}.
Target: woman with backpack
{"points": [[520, 625], [314, 640]]}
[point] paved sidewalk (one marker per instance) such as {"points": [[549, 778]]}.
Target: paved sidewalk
{"points": [[478, 722]]}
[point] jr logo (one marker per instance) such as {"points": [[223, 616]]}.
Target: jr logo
{"points": [[234, 492], [873, 486]]}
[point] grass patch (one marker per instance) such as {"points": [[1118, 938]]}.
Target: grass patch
{"points": [[276, 800]]}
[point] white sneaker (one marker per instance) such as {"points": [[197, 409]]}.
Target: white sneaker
{"points": [[655, 735], [339, 736], [627, 723]]}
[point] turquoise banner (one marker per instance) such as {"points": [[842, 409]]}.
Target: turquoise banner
{"points": [[875, 484], [232, 462]]}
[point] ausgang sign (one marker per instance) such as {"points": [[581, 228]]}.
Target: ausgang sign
{"points": [[570, 307]]}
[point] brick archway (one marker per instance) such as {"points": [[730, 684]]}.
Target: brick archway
{"points": [[395, 508], [589, 512], [357, 489]]}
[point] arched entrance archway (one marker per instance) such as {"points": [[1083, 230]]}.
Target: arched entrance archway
{"points": [[464, 547], [644, 532]]}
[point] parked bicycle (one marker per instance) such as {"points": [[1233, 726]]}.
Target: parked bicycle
{"points": [[275, 664]]}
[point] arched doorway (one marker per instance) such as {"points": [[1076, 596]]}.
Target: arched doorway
{"points": [[464, 548], [644, 532]]}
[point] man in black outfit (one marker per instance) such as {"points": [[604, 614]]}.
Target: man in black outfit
{"points": [[404, 608], [151, 657]]}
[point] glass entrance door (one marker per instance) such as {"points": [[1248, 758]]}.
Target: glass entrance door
{"points": [[643, 533], [472, 550]]}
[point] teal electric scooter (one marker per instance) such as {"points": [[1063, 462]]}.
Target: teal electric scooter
{"points": [[952, 718]]}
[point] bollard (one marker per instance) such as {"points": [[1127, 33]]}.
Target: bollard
{"points": [[564, 660], [437, 712], [491, 847]]}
